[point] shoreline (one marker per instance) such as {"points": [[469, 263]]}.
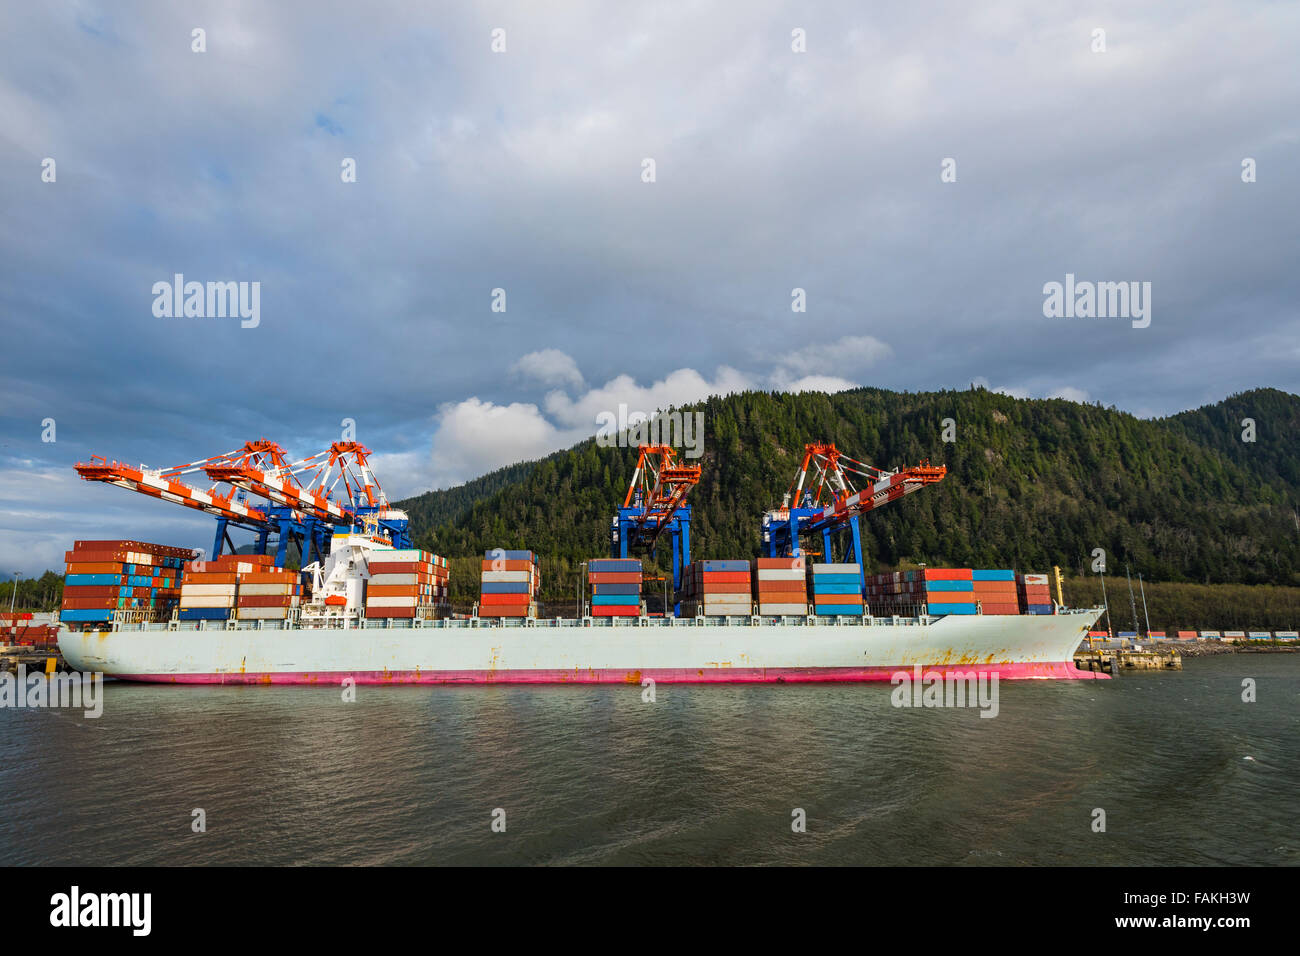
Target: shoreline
{"points": [[1187, 649]]}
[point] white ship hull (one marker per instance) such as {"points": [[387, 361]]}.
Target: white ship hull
{"points": [[681, 651]]}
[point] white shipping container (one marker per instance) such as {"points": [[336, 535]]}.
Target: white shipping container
{"points": [[207, 590], [207, 600], [397, 579], [266, 590], [800, 609], [836, 568], [507, 577], [780, 574], [261, 613], [394, 601]]}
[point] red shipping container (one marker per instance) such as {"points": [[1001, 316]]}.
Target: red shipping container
{"points": [[266, 600], [505, 599], [726, 577], [90, 590], [1000, 608], [616, 610], [390, 612], [402, 567], [614, 577], [948, 574]]}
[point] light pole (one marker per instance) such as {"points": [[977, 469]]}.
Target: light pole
{"points": [[13, 595]]}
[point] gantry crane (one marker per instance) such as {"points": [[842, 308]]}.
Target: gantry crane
{"points": [[656, 503], [830, 504], [306, 512]]}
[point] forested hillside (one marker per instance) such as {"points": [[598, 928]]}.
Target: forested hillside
{"points": [[1031, 483]]}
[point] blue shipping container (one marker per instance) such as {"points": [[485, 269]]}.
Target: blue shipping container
{"points": [[617, 600], [853, 610], [93, 580], [724, 565], [629, 588], [987, 575], [73, 615], [203, 613], [819, 588], [939, 609], [820, 579], [616, 565], [949, 585], [506, 587]]}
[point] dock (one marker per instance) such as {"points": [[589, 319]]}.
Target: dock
{"points": [[1117, 660], [36, 660]]}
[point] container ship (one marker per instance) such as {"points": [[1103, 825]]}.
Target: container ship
{"points": [[372, 609]]}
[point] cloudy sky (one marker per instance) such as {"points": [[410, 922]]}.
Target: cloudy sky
{"points": [[524, 170]]}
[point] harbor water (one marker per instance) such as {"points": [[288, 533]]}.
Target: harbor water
{"points": [[1185, 771]]}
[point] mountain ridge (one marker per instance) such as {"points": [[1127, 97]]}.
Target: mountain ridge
{"points": [[1031, 483]]}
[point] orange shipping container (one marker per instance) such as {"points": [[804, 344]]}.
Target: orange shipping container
{"points": [[837, 599], [507, 564], [795, 587], [397, 590], [97, 567]]}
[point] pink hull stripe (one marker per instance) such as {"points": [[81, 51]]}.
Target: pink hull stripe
{"points": [[1062, 670]]}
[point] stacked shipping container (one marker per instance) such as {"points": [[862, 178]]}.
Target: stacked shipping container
{"points": [[510, 583], [407, 583], [836, 588], [994, 591], [266, 593], [107, 576], [1033, 593], [716, 588], [937, 591], [615, 586], [210, 588], [780, 585]]}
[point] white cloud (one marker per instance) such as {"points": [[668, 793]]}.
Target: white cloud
{"points": [[474, 437], [852, 353], [1067, 392], [1071, 394], [812, 383], [549, 367], [683, 386]]}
